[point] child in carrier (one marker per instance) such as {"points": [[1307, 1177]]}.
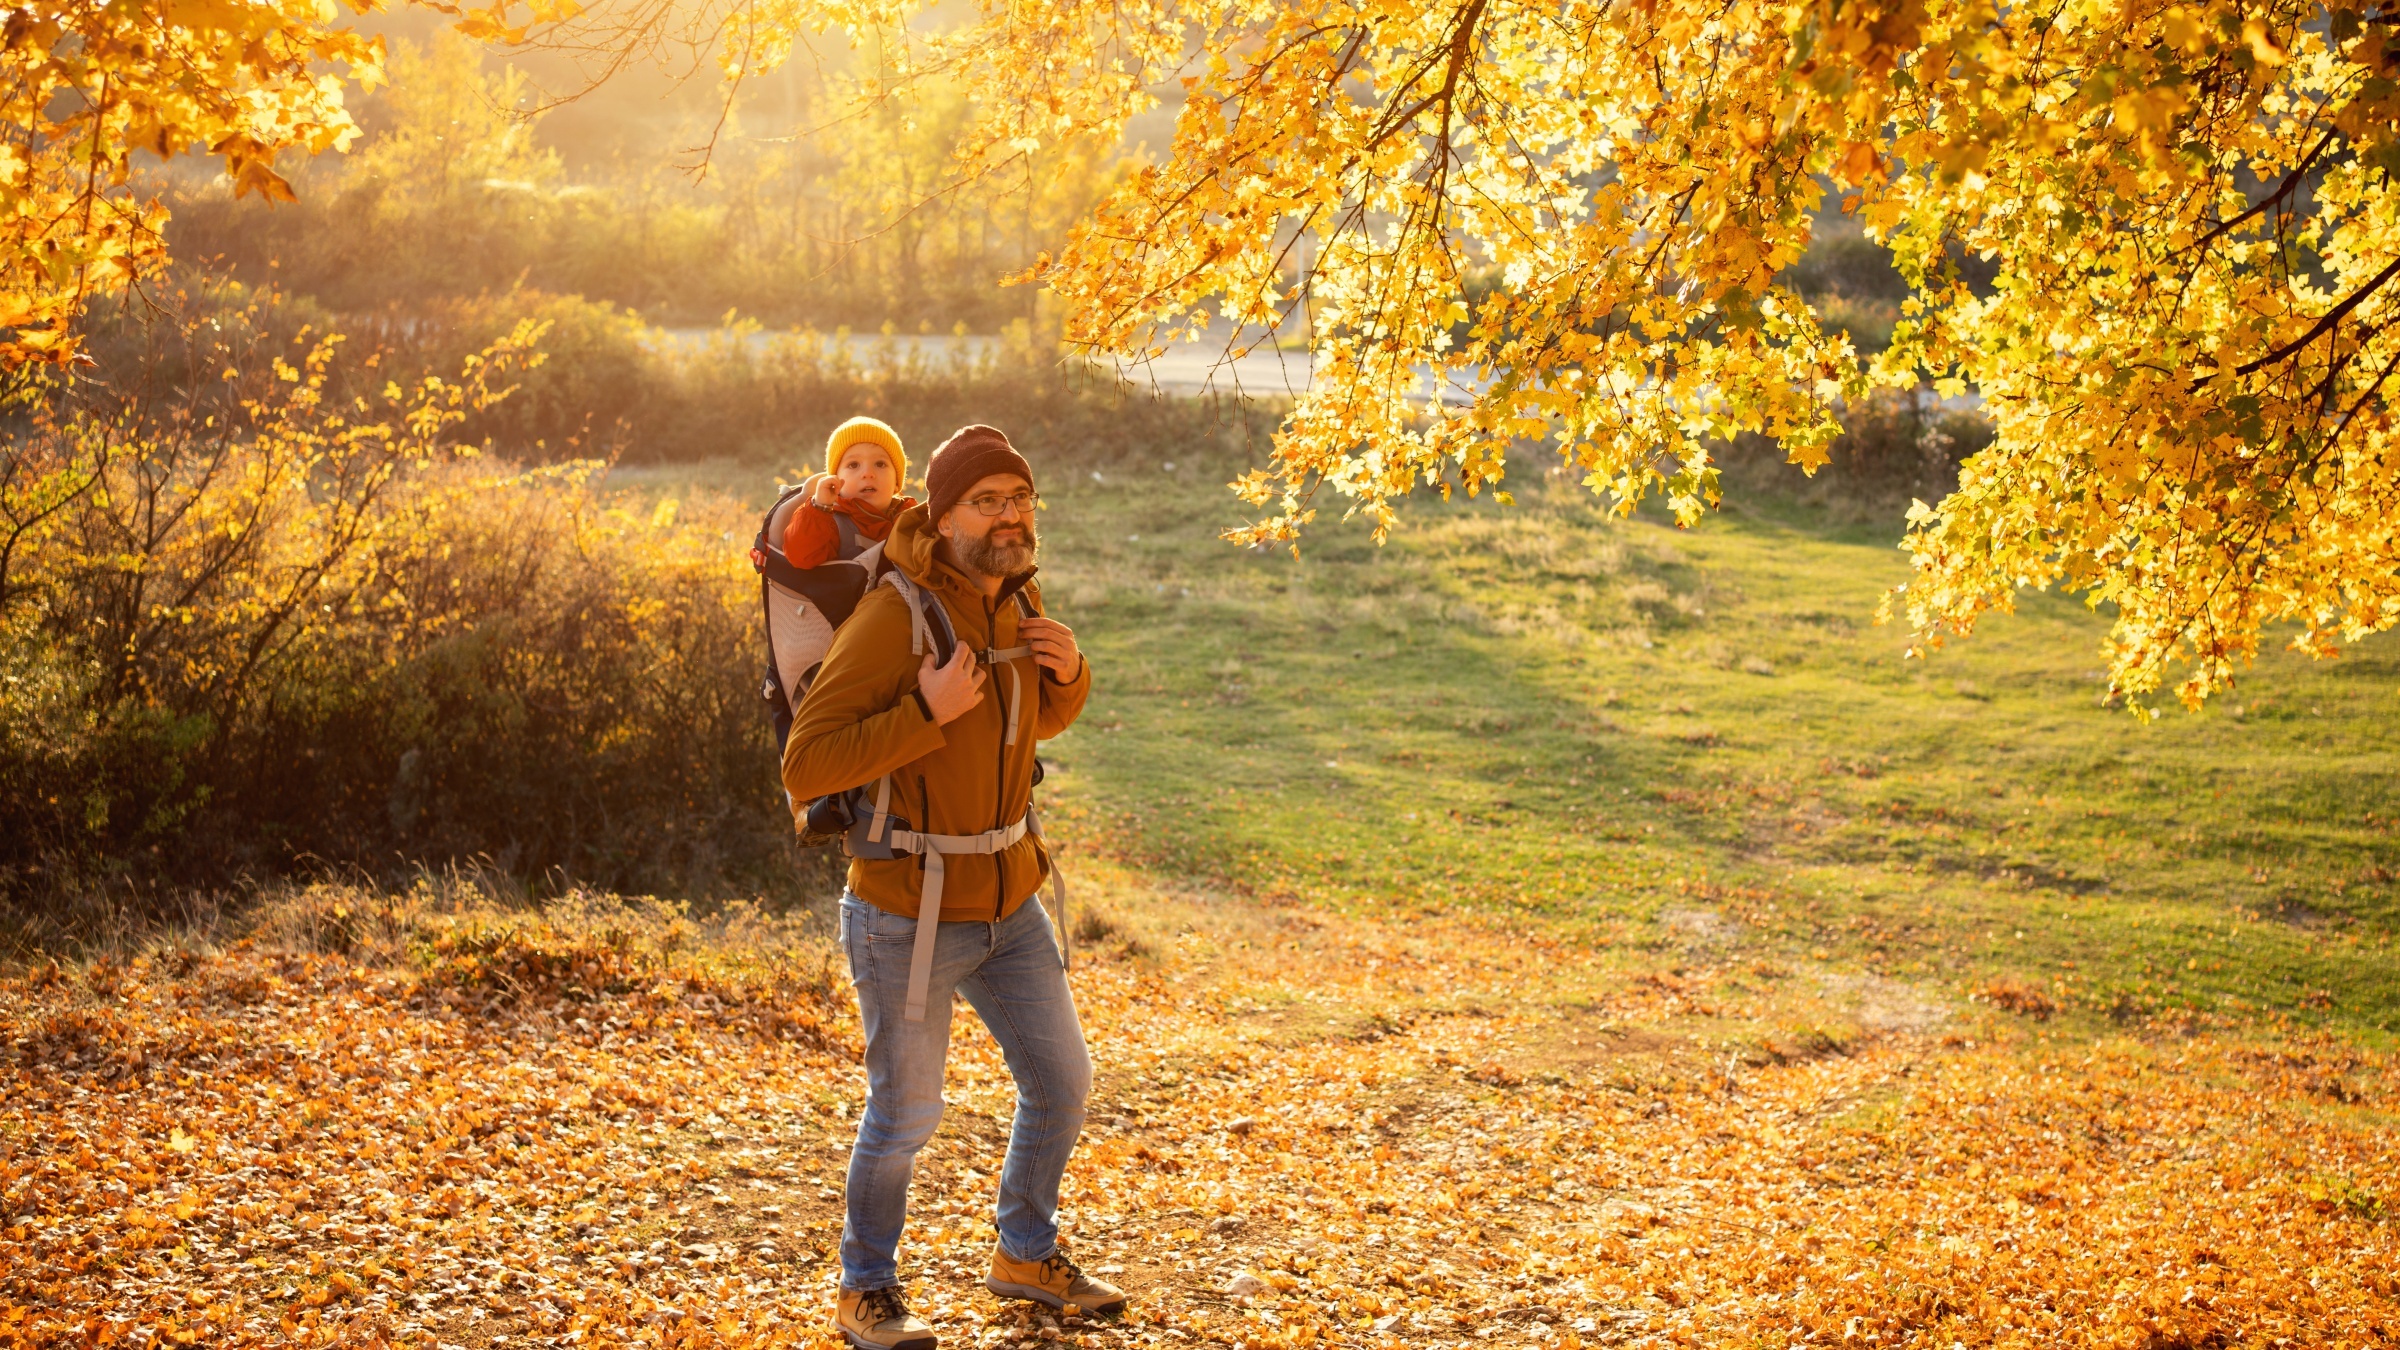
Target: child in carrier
{"points": [[864, 468]]}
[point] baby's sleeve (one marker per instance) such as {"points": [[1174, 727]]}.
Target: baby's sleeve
{"points": [[810, 539]]}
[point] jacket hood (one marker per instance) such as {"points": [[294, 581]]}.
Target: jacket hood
{"points": [[911, 549]]}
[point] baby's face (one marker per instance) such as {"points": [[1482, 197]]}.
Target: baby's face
{"points": [[866, 475]]}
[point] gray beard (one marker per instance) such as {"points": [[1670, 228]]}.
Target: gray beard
{"points": [[999, 560]]}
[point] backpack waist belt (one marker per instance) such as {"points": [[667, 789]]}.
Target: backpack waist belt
{"points": [[935, 848]]}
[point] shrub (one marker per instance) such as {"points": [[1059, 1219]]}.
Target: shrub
{"points": [[1894, 447], [247, 622], [600, 375]]}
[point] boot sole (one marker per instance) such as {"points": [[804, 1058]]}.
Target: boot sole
{"points": [[858, 1342], [1037, 1294]]}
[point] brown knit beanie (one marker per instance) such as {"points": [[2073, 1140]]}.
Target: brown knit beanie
{"points": [[969, 456]]}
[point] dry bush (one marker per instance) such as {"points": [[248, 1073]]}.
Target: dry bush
{"points": [[1894, 447], [248, 620], [474, 938]]}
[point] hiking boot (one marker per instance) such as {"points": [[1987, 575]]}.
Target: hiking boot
{"points": [[876, 1319], [1054, 1280]]}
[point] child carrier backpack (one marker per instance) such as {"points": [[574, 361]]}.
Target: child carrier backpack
{"points": [[803, 608], [804, 605]]}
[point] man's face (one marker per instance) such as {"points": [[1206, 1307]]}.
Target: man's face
{"points": [[1001, 544]]}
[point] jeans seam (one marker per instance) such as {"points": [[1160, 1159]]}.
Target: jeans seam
{"points": [[1008, 1014]]}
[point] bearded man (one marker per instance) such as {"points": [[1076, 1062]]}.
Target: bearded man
{"points": [[950, 750]]}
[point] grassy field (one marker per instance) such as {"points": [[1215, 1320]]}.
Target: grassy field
{"points": [[1607, 722], [1631, 730]]}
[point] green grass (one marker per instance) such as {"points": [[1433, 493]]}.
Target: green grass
{"points": [[1612, 725]]}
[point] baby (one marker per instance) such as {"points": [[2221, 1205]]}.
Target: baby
{"points": [[864, 468]]}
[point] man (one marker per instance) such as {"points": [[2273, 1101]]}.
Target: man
{"points": [[949, 750]]}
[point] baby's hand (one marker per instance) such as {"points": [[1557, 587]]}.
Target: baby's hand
{"points": [[824, 489]]}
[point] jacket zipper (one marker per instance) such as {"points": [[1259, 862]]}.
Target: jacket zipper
{"points": [[924, 813], [991, 630]]}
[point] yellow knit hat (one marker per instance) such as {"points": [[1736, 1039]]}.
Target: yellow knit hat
{"points": [[873, 432]]}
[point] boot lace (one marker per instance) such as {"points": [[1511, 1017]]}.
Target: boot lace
{"points": [[1057, 1267], [878, 1306]]}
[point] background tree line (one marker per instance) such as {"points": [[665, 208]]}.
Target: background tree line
{"points": [[661, 198]]}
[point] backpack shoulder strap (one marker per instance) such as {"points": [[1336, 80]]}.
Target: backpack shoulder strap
{"points": [[847, 530], [1005, 658], [937, 619], [928, 622]]}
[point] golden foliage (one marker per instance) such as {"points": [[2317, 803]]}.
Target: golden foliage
{"points": [[83, 88], [2187, 372]]}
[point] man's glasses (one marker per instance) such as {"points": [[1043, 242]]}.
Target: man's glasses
{"points": [[992, 503]]}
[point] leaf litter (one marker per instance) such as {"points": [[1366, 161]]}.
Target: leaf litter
{"points": [[518, 1129]]}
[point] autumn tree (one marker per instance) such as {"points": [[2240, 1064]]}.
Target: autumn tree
{"points": [[2185, 211]]}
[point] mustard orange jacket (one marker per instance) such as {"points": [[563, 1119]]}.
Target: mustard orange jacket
{"points": [[862, 719]]}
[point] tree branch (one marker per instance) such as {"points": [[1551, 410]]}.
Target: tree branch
{"points": [[2289, 185], [2322, 326]]}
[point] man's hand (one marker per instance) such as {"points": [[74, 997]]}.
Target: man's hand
{"points": [[1053, 646], [952, 689]]}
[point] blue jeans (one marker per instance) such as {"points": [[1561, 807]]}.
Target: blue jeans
{"points": [[1011, 975]]}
